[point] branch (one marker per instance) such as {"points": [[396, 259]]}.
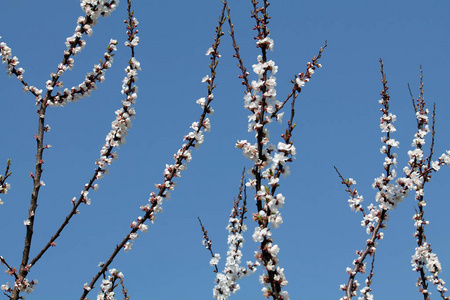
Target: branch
{"points": [[115, 138], [300, 82], [85, 88], [226, 281], [74, 45], [244, 76], [194, 139], [355, 198], [388, 195], [11, 63], [423, 256], [208, 245]]}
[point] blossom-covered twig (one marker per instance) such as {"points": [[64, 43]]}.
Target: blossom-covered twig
{"points": [[355, 197], [93, 9], [365, 291], [269, 160], [4, 186], [423, 256], [388, 195], [299, 82], [124, 290], [233, 271], [260, 101], [11, 64], [24, 284], [7, 290], [109, 284], [85, 88], [194, 139], [208, 245], [355, 205]]}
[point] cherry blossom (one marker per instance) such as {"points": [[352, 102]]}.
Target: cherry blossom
{"points": [[108, 285], [5, 186], [269, 161], [390, 193], [226, 281], [85, 88], [183, 156]]}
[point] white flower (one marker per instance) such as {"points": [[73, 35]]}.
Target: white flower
{"points": [[127, 247], [135, 63], [215, 260], [435, 165], [201, 102], [280, 117], [206, 78], [266, 41], [135, 41], [299, 82], [143, 227]]}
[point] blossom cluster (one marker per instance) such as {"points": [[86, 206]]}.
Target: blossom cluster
{"points": [[4, 189], [5, 186], [108, 285], [355, 286], [137, 225], [355, 199], [226, 281], [262, 98], [365, 292], [278, 278], [23, 285], [304, 77], [85, 88], [424, 256], [10, 61], [96, 8]]}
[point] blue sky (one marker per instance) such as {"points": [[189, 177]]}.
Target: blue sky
{"points": [[338, 125]]}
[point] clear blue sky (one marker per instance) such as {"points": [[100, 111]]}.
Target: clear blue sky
{"points": [[338, 124]]}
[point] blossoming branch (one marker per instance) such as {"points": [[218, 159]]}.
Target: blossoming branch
{"points": [[390, 194]]}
